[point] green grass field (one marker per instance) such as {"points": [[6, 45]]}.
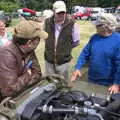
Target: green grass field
{"points": [[86, 30]]}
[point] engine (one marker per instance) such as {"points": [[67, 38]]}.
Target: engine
{"points": [[72, 105]]}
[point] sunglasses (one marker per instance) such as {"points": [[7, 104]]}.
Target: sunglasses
{"points": [[61, 13], [100, 25]]}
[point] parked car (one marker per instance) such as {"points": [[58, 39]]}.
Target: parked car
{"points": [[117, 9], [77, 8], [83, 14], [51, 99], [8, 19], [46, 90]]}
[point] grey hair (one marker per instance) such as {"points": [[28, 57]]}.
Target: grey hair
{"points": [[109, 27]]}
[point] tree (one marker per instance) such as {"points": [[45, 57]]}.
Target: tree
{"points": [[8, 6], [36, 4], [109, 3], [12, 5]]}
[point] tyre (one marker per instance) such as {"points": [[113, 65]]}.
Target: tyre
{"points": [[78, 18]]}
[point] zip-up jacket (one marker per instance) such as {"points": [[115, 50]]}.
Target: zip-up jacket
{"points": [[14, 77]]}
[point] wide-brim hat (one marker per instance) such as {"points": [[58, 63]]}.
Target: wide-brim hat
{"points": [[30, 29]]}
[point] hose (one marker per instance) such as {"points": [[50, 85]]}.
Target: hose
{"points": [[76, 110]]}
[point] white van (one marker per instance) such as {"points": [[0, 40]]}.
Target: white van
{"points": [[95, 12]]}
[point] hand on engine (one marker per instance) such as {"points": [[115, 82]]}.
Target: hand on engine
{"points": [[114, 89], [75, 74]]}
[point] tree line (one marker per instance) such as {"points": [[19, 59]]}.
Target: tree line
{"points": [[13, 5]]}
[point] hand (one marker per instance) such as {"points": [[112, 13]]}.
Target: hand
{"points": [[114, 89], [29, 71], [75, 74]]}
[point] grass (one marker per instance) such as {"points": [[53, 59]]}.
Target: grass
{"points": [[14, 22], [11, 27], [86, 30]]}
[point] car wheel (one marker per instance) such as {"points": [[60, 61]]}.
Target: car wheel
{"points": [[78, 18], [7, 24], [88, 18]]}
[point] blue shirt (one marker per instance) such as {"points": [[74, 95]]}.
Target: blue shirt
{"points": [[103, 56]]}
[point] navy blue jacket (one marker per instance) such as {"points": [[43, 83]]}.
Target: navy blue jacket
{"points": [[103, 56]]}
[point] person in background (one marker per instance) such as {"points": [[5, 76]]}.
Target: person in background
{"points": [[5, 37], [102, 53], [118, 26], [63, 37], [118, 29], [19, 67]]}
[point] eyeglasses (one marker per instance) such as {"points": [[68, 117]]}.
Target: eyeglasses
{"points": [[100, 25]]}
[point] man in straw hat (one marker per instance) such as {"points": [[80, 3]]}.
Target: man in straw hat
{"points": [[103, 54], [19, 67]]}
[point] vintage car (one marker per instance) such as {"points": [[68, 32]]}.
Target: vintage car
{"points": [[51, 99]]}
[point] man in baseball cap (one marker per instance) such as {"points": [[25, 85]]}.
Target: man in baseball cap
{"points": [[63, 37], [59, 6]]}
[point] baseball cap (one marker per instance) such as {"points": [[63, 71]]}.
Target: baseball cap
{"points": [[30, 29], [59, 6], [105, 18]]}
